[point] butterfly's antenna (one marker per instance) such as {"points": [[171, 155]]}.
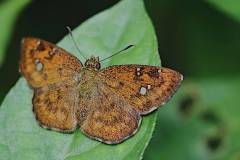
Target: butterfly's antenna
{"points": [[126, 48], [75, 43]]}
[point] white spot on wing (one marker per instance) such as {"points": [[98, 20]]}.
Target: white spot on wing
{"points": [[37, 61], [53, 51], [37, 44], [181, 77], [23, 40], [138, 71], [39, 66], [149, 86], [143, 91]]}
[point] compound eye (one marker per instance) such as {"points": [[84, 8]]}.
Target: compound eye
{"points": [[98, 66]]}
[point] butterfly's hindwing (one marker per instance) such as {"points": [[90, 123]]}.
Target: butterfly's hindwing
{"points": [[109, 118], [54, 106]]}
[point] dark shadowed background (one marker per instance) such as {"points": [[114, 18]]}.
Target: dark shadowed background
{"points": [[200, 38]]}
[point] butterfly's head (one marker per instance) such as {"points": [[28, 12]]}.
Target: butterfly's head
{"points": [[93, 63]]}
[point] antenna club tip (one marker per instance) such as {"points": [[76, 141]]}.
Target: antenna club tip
{"points": [[130, 46], [69, 28]]}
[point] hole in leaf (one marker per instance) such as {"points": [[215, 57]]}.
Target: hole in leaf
{"points": [[210, 116], [213, 143], [186, 105]]}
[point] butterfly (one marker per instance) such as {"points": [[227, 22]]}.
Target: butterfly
{"points": [[107, 104]]}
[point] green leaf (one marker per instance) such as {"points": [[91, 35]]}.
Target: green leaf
{"points": [[202, 122], [231, 7], [21, 137], [9, 10]]}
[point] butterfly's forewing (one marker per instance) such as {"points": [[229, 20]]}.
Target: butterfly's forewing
{"points": [[105, 116], [144, 87], [43, 63], [52, 73]]}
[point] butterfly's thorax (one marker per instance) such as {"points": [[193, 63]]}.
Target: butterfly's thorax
{"points": [[87, 76], [87, 79]]}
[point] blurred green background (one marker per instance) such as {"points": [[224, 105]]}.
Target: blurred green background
{"points": [[199, 38]]}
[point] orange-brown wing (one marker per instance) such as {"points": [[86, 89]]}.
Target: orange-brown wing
{"points": [[43, 63], [106, 117], [144, 87], [54, 106]]}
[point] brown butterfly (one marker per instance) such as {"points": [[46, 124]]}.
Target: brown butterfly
{"points": [[106, 103]]}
